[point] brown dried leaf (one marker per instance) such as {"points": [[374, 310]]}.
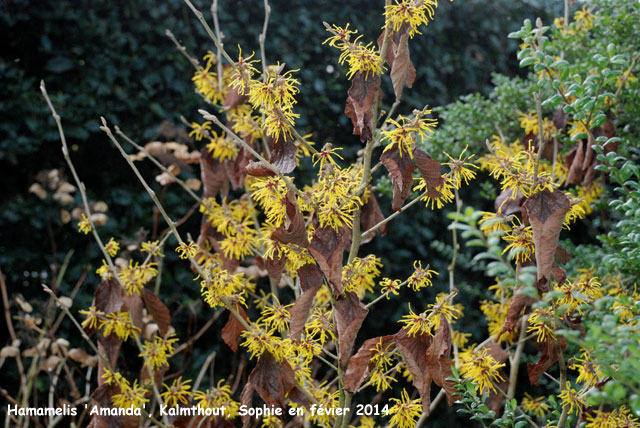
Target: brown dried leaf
{"points": [[212, 175], [349, 313], [133, 304], [233, 328], [560, 119], [370, 215], [546, 211], [258, 169], [402, 69], [327, 248], [158, 310], [519, 302], [360, 364], [430, 170], [507, 204], [300, 312], [295, 230], [102, 397], [414, 354], [109, 347], [439, 360], [310, 276], [562, 255], [272, 380], [363, 97], [547, 359], [108, 296], [575, 169], [400, 169], [283, 155], [273, 266]]}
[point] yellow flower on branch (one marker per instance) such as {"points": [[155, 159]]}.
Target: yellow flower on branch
{"points": [[84, 225], [119, 323], [479, 366], [534, 406], [200, 131], [541, 322], [405, 412], [130, 396], [217, 397], [414, 13], [112, 247], [520, 239], [420, 277], [460, 168], [187, 251], [94, 317], [178, 392], [152, 247], [571, 398]]}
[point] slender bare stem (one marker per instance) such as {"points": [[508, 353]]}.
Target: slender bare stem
{"points": [[392, 216], [515, 361], [183, 50]]}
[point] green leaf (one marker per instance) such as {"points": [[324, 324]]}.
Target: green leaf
{"points": [[527, 61]]}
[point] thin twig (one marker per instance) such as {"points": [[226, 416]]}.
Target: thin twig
{"points": [[183, 50], [394, 215]]}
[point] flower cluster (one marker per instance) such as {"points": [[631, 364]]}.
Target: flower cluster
{"points": [[364, 59]]}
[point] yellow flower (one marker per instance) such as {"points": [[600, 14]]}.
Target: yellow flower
{"points": [[243, 72], [258, 340], [218, 397], [359, 275], [534, 406], [270, 193], [178, 392], [94, 317], [411, 12], [84, 225], [112, 247], [135, 276], [156, 353], [382, 360], [325, 155], [541, 322], [219, 284], [445, 193], [460, 168], [114, 378], [200, 131], [476, 364], [104, 271], [405, 412], [361, 58], [119, 323], [584, 18], [492, 222], [403, 135], [571, 398], [187, 251], [520, 240], [130, 396], [459, 338], [621, 417], [221, 147], [152, 247], [341, 36], [276, 316], [429, 321], [388, 286]]}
